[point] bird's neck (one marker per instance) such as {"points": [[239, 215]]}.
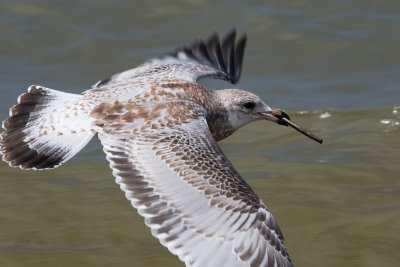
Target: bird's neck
{"points": [[218, 118], [219, 126]]}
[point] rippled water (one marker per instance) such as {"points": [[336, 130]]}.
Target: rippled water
{"points": [[334, 66]]}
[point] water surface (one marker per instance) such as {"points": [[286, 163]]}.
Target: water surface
{"points": [[333, 65]]}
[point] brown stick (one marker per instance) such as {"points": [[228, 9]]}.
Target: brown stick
{"points": [[302, 130]]}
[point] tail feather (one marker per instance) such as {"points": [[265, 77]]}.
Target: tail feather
{"points": [[45, 129]]}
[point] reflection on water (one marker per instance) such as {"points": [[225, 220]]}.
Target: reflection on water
{"points": [[334, 67]]}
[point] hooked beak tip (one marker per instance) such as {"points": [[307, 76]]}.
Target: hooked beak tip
{"points": [[276, 115]]}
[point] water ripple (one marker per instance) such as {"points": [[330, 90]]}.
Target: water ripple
{"points": [[392, 123]]}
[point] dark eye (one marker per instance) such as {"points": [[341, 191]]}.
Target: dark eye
{"points": [[249, 105]]}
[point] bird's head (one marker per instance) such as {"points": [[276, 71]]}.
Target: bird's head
{"points": [[242, 107]]}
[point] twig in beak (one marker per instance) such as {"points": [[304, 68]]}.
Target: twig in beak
{"points": [[284, 118], [303, 131]]}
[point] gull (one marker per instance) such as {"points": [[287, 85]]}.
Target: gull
{"points": [[159, 130]]}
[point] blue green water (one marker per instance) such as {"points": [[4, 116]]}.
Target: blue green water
{"points": [[334, 66]]}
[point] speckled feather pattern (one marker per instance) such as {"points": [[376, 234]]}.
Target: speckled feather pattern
{"points": [[174, 130], [41, 135], [159, 128]]}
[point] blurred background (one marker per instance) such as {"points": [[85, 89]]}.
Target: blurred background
{"points": [[333, 66]]}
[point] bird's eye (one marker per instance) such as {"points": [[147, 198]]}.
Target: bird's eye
{"points": [[249, 105]]}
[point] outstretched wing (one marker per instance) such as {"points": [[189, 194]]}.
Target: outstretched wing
{"points": [[211, 58], [192, 198]]}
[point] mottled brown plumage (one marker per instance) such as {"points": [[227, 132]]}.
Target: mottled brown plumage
{"points": [[159, 130]]}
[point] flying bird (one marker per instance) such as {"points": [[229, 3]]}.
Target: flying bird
{"points": [[159, 129]]}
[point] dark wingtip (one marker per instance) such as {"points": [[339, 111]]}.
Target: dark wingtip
{"points": [[225, 56], [239, 56]]}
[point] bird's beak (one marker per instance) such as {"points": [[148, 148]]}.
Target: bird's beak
{"points": [[280, 117]]}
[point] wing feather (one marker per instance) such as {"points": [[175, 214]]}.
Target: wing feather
{"points": [[200, 59], [195, 202]]}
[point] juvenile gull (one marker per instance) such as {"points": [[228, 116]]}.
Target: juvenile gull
{"points": [[159, 130]]}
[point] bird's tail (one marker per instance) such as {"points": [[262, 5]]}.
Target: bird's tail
{"points": [[45, 129]]}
